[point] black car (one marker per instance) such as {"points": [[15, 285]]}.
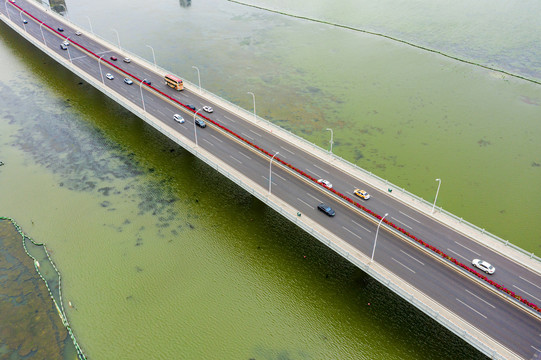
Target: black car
{"points": [[63, 47], [200, 123], [25, 21], [60, 29], [191, 107], [326, 209], [147, 82]]}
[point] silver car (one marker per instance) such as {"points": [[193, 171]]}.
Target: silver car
{"points": [[483, 266]]}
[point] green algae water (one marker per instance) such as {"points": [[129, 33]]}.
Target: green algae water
{"points": [[163, 258]]}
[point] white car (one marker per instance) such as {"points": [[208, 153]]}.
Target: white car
{"points": [[127, 60], [178, 118], [128, 81], [66, 43], [78, 33], [208, 109], [325, 182], [109, 76], [483, 266]]}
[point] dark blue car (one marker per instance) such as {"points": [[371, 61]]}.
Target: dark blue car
{"points": [[326, 209]]}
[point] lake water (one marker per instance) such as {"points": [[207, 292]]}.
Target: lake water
{"points": [[164, 258]]}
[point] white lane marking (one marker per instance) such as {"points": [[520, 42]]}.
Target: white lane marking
{"points": [[247, 136], [234, 158], [289, 151], [243, 154], [528, 281], [208, 142], [255, 133], [483, 300], [536, 349], [403, 265], [406, 225], [467, 248], [457, 254], [220, 140], [530, 295], [463, 303], [267, 179], [314, 174], [228, 118], [313, 197], [419, 261], [104, 52], [320, 168], [410, 217], [305, 203], [281, 177], [78, 57], [356, 223], [351, 232]]}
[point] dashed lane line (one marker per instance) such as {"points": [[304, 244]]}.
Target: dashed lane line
{"points": [[403, 265], [457, 254], [527, 293], [289, 151], [234, 158], [320, 168], [412, 257], [483, 300], [356, 223], [220, 140], [463, 303], [417, 221], [351, 232], [467, 248]]}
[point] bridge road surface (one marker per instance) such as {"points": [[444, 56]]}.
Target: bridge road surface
{"points": [[492, 314]]}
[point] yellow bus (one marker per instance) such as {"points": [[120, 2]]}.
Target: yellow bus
{"points": [[174, 82]]}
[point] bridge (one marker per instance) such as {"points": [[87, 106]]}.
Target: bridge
{"points": [[420, 252]]}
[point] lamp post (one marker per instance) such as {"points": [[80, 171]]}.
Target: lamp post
{"points": [[68, 47], [118, 38], [153, 56], [437, 191], [253, 96], [195, 126], [43, 36], [142, 99], [7, 11], [101, 73], [24, 25], [270, 171], [331, 142], [376, 239], [198, 77], [90, 23]]}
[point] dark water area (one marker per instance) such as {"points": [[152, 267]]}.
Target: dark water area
{"points": [[30, 327]]}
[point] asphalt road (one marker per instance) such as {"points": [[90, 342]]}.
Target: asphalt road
{"points": [[457, 291]]}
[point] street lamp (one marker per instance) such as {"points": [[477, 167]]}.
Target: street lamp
{"points": [[253, 96], [195, 127], [331, 142], [198, 77], [153, 56], [142, 99], [68, 47], [101, 73], [7, 11], [90, 23], [43, 36], [118, 38], [437, 191], [376, 239], [270, 171]]}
